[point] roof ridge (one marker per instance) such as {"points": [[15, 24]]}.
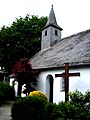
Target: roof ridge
{"points": [[85, 31]]}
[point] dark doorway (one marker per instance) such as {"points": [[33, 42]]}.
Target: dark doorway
{"points": [[49, 87]]}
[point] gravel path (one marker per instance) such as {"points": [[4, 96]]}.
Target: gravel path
{"points": [[5, 110]]}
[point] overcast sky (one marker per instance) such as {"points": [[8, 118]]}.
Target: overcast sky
{"points": [[72, 15]]}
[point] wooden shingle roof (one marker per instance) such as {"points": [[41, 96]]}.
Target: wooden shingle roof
{"points": [[74, 50]]}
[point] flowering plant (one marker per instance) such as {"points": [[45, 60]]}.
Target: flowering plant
{"points": [[38, 93]]}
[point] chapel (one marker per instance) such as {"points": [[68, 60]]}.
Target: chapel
{"points": [[55, 52]]}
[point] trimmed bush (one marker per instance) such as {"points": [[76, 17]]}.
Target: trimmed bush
{"points": [[39, 94], [6, 91], [52, 111], [28, 108], [35, 108]]}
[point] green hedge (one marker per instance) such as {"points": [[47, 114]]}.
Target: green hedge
{"points": [[6, 92], [78, 108], [28, 108], [35, 108], [52, 111]]}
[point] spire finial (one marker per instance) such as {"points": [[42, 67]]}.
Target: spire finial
{"points": [[52, 6]]}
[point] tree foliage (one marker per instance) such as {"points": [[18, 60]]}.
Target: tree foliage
{"points": [[21, 39], [24, 74]]}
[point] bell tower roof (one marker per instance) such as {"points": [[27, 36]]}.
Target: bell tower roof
{"points": [[52, 20]]}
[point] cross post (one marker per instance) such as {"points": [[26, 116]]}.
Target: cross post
{"points": [[67, 75]]}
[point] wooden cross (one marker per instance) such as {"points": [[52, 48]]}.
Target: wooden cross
{"points": [[67, 75]]}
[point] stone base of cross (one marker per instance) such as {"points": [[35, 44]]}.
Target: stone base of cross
{"points": [[66, 74]]}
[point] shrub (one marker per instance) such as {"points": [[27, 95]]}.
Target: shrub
{"points": [[67, 110], [28, 108], [81, 103], [35, 108], [52, 111], [39, 94], [1, 97], [7, 92], [78, 108]]}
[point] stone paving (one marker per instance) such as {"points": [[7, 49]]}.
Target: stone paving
{"points": [[5, 111]]}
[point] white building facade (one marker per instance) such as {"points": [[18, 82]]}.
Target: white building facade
{"points": [[55, 52], [55, 88]]}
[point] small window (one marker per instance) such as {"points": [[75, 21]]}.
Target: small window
{"points": [[62, 84], [46, 33], [56, 32]]}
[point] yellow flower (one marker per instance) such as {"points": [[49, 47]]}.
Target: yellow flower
{"points": [[38, 93]]}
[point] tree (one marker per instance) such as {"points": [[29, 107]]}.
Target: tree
{"points": [[21, 39], [24, 74]]}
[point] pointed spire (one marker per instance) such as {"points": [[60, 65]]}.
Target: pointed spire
{"points": [[52, 20]]}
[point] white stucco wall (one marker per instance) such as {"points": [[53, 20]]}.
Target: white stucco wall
{"points": [[15, 85], [81, 83]]}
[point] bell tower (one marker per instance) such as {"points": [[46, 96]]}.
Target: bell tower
{"points": [[51, 32]]}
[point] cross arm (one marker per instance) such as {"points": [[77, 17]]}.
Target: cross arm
{"points": [[67, 75]]}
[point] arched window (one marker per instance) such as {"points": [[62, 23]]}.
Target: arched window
{"points": [[49, 87]]}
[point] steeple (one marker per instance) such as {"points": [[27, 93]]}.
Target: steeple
{"points": [[52, 20], [51, 32]]}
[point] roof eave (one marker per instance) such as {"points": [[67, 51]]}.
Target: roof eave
{"points": [[52, 26], [61, 67]]}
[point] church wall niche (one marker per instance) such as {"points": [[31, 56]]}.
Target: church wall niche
{"points": [[49, 87]]}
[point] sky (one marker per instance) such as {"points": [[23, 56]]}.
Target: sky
{"points": [[71, 15]]}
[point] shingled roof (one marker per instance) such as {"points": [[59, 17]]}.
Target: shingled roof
{"points": [[74, 49]]}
